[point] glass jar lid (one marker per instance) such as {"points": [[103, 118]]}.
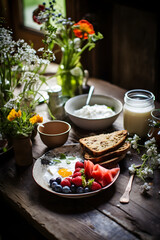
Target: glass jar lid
{"points": [[139, 98]]}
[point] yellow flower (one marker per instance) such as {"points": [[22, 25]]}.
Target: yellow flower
{"points": [[36, 119], [13, 114]]}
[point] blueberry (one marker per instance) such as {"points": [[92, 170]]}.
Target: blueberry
{"points": [[73, 188], [58, 180], [51, 181], [66, 189], [86, 189], [53, 185], [58, 188], [80, 190]]}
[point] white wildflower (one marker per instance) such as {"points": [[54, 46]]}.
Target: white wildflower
{"points": [[147, 172], [148, 143], [152, 150], [14, 68], [136, 137], [145, 187], [40, 49], [150, 160], [49, 40], [77, 42], [132, 169], [134, 144], [10, 104]]}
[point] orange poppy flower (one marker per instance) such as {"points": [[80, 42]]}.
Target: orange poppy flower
{"points": [[83, 28]]}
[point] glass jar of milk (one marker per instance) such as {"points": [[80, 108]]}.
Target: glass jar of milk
{"points": [[138, 105]]}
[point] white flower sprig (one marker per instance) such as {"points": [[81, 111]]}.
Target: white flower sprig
{"points": [[150, 160], [20, 64]]}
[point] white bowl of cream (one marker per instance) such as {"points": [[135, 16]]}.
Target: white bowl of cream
{"points": [[99, 114]]}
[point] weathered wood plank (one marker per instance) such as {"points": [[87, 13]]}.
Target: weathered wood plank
{"points": [[137, 216], [141, 212]]}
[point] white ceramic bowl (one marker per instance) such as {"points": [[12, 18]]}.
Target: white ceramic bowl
{"points": [[78, 102]]}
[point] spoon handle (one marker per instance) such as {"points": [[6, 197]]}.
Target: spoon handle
{"points": [[125, 196], [90, 94]]}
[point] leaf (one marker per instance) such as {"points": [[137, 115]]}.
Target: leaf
{"points": [[68, 162], [90, 181], [56, 160], [62, 156], [71, 158], [112, 108], [82, 172], [84, 183]]}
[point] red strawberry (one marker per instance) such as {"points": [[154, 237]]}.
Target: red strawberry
{"points": [[77, 181], [65, 182], [95, 186], [79, 165], [77, 170], [69, 179], [76, 174]]}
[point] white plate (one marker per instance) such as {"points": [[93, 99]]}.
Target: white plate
{"points": [[39, 170]]}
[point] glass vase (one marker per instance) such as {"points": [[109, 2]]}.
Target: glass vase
{"points": [[70, 79]]}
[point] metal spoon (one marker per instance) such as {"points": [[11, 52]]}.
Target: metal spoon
{"points": [[90, 94]]}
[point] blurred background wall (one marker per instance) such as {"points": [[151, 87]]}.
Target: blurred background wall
{"points": [[129, 54]]}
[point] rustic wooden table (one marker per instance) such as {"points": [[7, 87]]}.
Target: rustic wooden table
{"points": [[98, 217]]}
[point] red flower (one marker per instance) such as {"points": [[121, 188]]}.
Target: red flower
{"points": [[36, 12], [83, 28]]}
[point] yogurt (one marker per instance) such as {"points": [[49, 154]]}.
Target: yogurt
{"points": [[94, 112]]}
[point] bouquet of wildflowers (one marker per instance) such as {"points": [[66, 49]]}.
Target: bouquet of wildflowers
{"points": [[72, 38], [19, 65], [18, 123]]}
